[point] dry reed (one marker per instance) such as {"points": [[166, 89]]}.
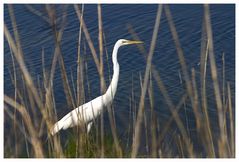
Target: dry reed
{"points": [[34, 107]]}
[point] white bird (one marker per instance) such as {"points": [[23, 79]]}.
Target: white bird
{"points": [[86, 113]]}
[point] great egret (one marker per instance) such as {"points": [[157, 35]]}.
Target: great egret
{"points": [[86, 113]]}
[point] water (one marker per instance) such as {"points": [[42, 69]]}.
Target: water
{"points": [[36, 35]]}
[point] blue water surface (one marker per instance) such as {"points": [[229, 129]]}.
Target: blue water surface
{"points": [[36, 35]]}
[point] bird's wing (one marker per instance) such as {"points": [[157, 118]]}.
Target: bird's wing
{"points": [[69, 120], [83, 114]]}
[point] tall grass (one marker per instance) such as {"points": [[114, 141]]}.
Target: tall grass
{"points": [[31, 111]]}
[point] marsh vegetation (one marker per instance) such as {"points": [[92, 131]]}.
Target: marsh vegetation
{"points": [[31, 111]]}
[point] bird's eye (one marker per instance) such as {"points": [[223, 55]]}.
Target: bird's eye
{"points": [[123, 41]]}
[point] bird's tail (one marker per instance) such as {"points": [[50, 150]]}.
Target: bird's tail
{"points": [[64, 123], [57, 127]]}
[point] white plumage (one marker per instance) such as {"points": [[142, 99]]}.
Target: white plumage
{"points": [[86, 113]]}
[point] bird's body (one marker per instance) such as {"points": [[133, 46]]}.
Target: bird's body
{"points": [[86, 113]]}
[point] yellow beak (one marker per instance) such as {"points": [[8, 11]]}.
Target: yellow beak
{"points": [[134, 42]]}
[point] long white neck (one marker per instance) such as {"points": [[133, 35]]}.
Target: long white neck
{"points": [[110, 93]]}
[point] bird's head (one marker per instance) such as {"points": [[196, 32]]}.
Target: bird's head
{"points": [[123, 42]]}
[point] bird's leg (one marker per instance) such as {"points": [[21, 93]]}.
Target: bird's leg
{"points": [[89, 126]]}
